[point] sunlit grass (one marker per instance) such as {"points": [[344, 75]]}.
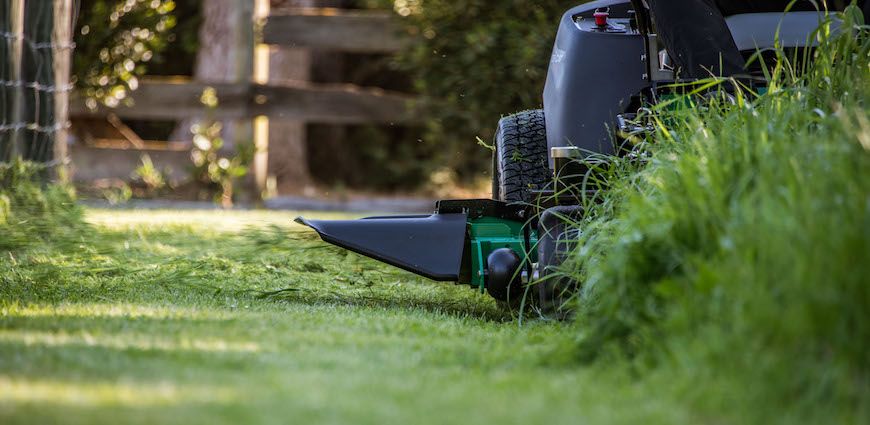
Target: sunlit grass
{"points": [[102, 310], [215, 220], [127, 341], [96, 394]]}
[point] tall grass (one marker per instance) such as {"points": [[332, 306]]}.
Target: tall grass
{"points": [[737, 258]]}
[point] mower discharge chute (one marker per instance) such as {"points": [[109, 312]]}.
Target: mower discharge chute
{"points": [[606, 65], [483, 243]]}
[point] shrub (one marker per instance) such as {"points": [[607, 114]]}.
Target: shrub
{"points": [[117, 40]]}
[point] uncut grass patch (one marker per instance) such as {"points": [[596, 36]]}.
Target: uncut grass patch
{"points": [[735, 260]]}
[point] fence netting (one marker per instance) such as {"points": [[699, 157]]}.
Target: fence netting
{"points": [[29, 80]]}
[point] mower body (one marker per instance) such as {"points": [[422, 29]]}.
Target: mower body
{"points": [[597, 73], [592, 77]]}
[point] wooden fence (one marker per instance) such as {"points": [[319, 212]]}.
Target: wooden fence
{"points": [[326, 29]]}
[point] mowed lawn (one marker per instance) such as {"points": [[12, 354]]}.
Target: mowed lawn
{"points": [[245, 317]]}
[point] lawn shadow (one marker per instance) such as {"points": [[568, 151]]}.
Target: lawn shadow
{"points": [[178, 336], [423, 300]]}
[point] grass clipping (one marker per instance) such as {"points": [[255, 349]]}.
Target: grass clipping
{"points": [[738, 251], [32, 211]]}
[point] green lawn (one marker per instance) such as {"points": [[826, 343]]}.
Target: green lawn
{"points": [[244, 317]]}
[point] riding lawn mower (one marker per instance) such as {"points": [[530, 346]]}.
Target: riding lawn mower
{"points": [[606, 65]]}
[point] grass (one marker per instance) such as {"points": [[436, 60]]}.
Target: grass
{"points": [[180, 317], [31, 212]]}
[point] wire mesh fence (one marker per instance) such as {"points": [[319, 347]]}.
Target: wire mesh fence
{"points": [[35, 44]]}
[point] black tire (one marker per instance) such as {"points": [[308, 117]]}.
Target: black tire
{"points": [[519, 162]]}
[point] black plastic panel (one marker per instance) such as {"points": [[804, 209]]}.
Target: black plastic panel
{"points": [[430, 246]]}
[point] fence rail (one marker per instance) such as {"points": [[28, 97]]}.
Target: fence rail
{"points": [[335, 29], [326, 104]]}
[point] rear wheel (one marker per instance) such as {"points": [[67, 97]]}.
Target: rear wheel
{"points": [[519, 163]]}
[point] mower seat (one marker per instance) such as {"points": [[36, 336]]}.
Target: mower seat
{"points": [[752, 31], [758, 31]]}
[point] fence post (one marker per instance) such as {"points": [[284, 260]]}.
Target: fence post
{"points": [[16, 60], [62, 42], [260, 75], [288, 158]]}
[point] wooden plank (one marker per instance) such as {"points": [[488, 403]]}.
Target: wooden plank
{"points": [[145, 145], [335, 29], [173, 99], [89, 163], [332, 104], [158, 99]]}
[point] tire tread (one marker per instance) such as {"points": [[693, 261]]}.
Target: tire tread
{"points": [[521, 163]]}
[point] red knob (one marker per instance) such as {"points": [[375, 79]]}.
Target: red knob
{"points": [[601, 18]]}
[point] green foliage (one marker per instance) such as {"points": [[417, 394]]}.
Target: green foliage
{"points": [[149, 177], [117, 194], [182, 41], [114, 42], [212, 165], [738, 253], [31, 211]]}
